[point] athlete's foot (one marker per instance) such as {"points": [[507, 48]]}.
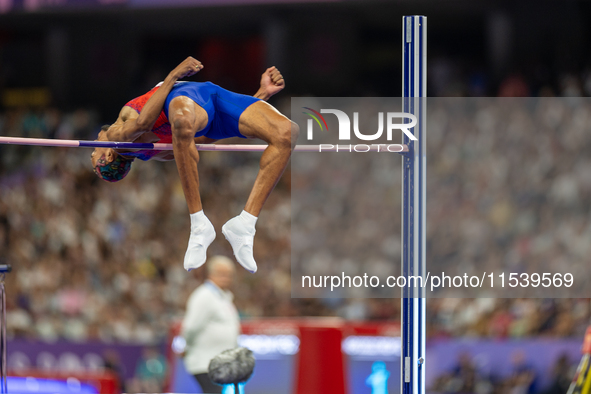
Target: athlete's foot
{"points": [[202, 235], [239, 231]]}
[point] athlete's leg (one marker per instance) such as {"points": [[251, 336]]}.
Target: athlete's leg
{"points": [[260, 120], [263, 121], [186, 119]]}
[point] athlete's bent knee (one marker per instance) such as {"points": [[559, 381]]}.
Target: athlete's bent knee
{"points": [[182, 129], [286, 134]]}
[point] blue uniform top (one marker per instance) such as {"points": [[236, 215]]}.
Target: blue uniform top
{"points": [[222, 106]]}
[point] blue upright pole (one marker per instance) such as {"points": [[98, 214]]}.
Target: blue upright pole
{"points": [[414, 171], [4, 268]]}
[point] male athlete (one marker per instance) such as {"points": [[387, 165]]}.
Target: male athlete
{"points": [[186, 113]]}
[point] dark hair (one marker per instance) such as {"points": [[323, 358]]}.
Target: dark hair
{"points": [[113, 171]]}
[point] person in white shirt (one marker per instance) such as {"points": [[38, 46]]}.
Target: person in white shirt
{"points": [[211, 324]]}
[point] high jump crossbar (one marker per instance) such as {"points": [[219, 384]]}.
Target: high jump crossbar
{"points": [[394, 148], [414, 172]]}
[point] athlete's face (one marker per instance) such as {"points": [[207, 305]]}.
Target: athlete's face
{"points": [[109, 154]]}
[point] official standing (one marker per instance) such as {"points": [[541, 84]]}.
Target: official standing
{"points": [[211, 324]]}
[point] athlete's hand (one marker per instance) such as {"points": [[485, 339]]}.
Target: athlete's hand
{"points": [[272, 81], [189, 66]]}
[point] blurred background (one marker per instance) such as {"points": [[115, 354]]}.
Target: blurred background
{"points": [[98, 286]]}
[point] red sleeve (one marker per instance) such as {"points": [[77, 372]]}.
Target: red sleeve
{"points": [[139, 102]]}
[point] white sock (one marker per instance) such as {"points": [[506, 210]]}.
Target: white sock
{"points": [[202, 235], [197, 218], [239, 231], [249, 220]]}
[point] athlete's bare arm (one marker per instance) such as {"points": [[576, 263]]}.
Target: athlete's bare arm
{"points": [[130, 127], [272, 82]]}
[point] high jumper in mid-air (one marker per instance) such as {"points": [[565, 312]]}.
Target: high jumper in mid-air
{"points": [[186, 113]]}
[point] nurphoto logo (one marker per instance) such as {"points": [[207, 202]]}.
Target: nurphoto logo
{"points": [[344, 132]]}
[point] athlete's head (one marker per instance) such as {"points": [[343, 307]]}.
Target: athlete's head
{"points": [[111, 169], [108, 164]]}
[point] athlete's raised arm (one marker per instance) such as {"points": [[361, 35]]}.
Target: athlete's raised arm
{"points": [[272, 82], [131, 129]]}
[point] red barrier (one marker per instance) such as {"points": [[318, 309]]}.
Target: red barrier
{"points": [[320, 363]]}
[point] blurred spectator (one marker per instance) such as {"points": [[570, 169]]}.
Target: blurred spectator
{"points": [[466, 379], [463, 376], [150, 372], [514, 86], [378, 379], [562, 375], [112, 363], [523, 375]]}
